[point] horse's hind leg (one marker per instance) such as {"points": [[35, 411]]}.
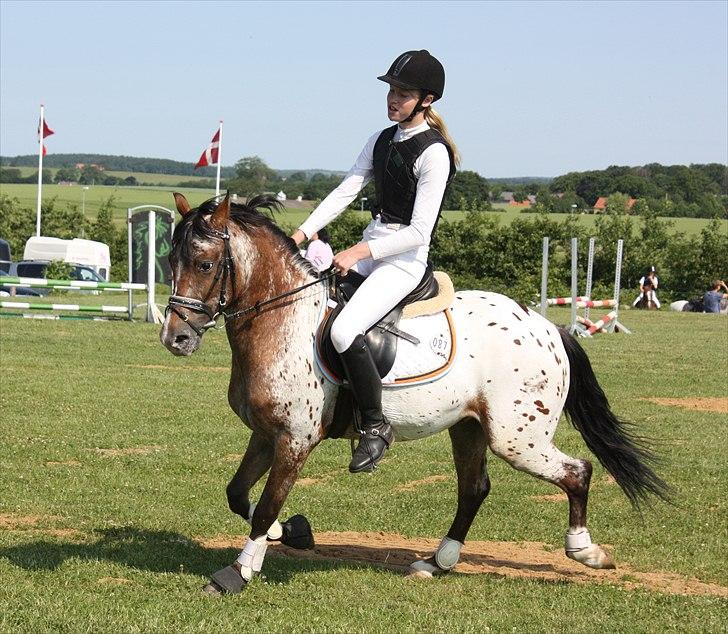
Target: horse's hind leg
{"points": [[526, 452], [469, 445]]}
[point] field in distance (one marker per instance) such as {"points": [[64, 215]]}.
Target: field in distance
{"points": [[126, 197]]}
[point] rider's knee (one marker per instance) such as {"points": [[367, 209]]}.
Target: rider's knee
{"points": [[341, 335]]}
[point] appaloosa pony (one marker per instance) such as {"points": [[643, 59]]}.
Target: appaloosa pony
{"points": [[512, 376]]}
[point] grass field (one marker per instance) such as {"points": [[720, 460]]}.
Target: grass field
{"points": [[115, 457], [142, 177], [125, 197]]}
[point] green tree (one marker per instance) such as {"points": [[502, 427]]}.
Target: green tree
{"points": [[252, 176], [67, 174]]}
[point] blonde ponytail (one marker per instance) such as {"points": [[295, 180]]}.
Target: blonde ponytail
{"points": [[434, 120]]}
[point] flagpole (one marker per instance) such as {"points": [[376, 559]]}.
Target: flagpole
{"points": [[219, 161], [40, 171]]}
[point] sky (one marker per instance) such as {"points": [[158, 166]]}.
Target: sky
{"points": [[532, 88]]}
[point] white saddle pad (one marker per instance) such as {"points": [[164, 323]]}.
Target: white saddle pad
{"points": [[428, 360]]}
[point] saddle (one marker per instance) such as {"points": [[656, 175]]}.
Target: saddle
{"points": [[383, 336]]}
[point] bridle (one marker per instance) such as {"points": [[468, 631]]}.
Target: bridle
{"points": [[225, 270]]}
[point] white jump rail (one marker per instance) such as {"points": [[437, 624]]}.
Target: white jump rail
{"points": [[68, 285]]}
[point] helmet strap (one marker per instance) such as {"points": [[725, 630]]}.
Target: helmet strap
{"points": [[417, 109]]}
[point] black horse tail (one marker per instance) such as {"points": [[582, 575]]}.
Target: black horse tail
{"points": [[626, 456]]}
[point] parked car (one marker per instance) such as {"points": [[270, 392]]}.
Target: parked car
{"points": [[5, 257], [6, 291], [37, 268]]}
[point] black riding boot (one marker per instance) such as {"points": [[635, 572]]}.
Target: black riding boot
{"points": [[376, 432]]}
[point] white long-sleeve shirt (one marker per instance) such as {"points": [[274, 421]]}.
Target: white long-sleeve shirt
{"points": [[398, 244]]}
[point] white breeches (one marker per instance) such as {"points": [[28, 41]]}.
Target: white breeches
{"points": [[653, 297], [384, 288]]}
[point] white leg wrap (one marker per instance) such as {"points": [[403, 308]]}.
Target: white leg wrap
{"points": [[577, 541], [275, 532], [448, 553], [446, 556], [251, 557]]}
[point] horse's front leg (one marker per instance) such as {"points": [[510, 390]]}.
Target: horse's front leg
{"points": [[289, 456], [255, 463]]}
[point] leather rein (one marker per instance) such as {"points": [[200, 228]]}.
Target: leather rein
{"points": [[225, 270]]}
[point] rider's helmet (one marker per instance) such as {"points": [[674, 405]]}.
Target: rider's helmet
{"points": [[417, 70]]}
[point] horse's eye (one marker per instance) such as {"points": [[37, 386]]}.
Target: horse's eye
{"points": [[205, 266]]}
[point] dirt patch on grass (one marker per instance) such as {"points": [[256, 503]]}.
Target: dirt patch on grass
{"points": [[707, 404], [29, 524], [10, 520], [307, 482], [179, 368], [411, 486], [113, 581], [551, 497], [516, 560], [126, 451]]}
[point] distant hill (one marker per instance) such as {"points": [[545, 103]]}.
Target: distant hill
{"points": [[515, 181], [115, 163]]}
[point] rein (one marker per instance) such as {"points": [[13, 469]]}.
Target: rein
{"points": [[226, 269]]}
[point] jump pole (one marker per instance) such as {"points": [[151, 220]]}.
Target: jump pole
{"points": [[589, 269], [544, 275], [151, 264], [574, 283]]}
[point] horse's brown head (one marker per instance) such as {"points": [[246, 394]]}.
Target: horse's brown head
{"points": [[223, 254], [202, 269]]}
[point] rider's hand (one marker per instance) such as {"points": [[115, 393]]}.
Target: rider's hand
{"points": [[346, 259], [298, 237]]}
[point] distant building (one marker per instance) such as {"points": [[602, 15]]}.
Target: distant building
{"points": [[281, 196], [601, 205]]}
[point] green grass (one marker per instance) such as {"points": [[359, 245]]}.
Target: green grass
{"points": [[125, 197], [69, 389]]}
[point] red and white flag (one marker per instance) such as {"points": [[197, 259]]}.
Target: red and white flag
{"points": [[211, 154], [46, 132]]}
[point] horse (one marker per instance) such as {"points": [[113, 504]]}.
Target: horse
{"points": [[513, 375], [646, 300]]}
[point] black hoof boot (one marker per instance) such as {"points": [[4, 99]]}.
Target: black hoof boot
{"points": [[297, 533], [372, 445]]}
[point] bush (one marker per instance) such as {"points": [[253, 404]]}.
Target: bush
{"points": [[58, 270]]}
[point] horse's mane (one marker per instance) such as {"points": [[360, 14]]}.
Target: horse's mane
{"points": [[246, 215]]}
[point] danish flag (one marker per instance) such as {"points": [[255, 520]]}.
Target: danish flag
{"points": [[212, 152], [46, 132]]}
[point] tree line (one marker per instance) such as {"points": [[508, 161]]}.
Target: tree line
{"points": [[479, 251], [697, 191]]}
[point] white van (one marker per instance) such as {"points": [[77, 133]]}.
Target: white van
{"points": [[90, 253]]}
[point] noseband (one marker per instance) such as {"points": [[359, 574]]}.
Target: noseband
{"points": [[225, 269]]}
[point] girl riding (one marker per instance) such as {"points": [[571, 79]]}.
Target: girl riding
{"points": [[412, 163]]}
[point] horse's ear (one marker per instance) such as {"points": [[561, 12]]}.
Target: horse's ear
{"points": [[221, 215], [182, 205]]}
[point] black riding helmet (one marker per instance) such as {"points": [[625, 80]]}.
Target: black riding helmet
{"points": [[417, 70]]}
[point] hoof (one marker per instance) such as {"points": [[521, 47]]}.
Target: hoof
{"points": [[225, 581], [425, 569], [594, 557], [418, 574], [213, 590]]}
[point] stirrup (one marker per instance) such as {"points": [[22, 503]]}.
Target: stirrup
{"points": [[373, 443]]}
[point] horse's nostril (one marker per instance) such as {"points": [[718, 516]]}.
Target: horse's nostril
{"points": [[181, 338]]}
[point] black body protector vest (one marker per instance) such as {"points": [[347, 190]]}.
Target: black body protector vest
{"points": [[394, 180]]}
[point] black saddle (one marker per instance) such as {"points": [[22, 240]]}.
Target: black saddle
{"points": [[383, 336]]}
